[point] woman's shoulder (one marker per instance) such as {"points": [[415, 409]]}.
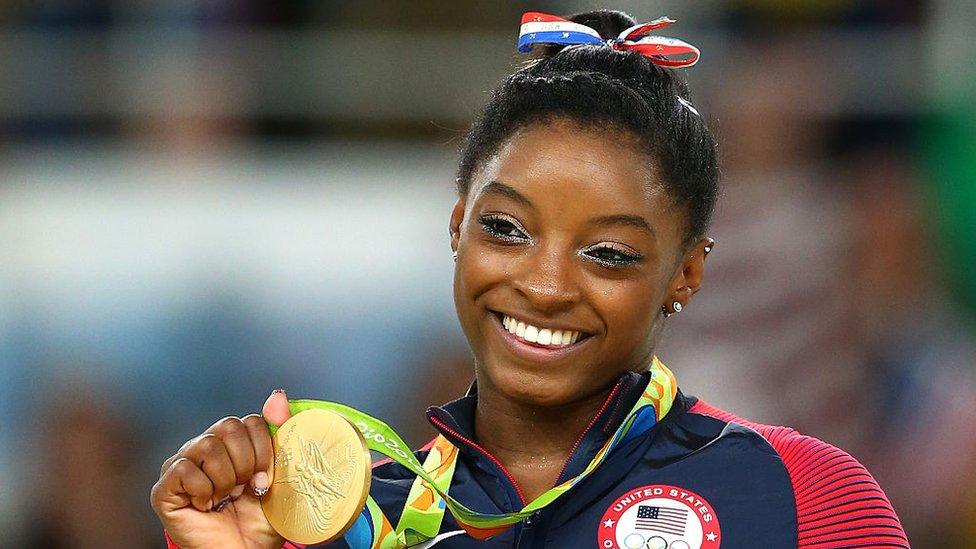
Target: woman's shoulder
{"points": [[837, 499]]}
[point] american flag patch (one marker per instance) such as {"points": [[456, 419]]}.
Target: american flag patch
{"points": [[667, 520]]}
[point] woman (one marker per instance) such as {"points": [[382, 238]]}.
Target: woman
{"points": [[585, 190]]}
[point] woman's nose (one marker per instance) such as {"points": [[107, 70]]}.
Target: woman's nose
{"points": [[547, 280]]}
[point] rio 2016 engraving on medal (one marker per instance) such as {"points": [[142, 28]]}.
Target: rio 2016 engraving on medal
{"points": [[322, 475]]}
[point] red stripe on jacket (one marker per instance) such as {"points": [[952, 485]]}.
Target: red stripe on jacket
{"points": [[838, 503]]}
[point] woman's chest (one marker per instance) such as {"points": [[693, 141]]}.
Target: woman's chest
{"points": [[729, 495]]}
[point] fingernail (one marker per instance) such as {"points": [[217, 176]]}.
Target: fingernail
{"points": [[237, 491], [260, 484], [278, 391], [222, 503]]}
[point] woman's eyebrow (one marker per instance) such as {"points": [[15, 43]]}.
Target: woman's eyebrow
{"points": [[499, 188], [629, 220]]}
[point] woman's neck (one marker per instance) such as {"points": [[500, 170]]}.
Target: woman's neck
{"points": [[532, 442]]}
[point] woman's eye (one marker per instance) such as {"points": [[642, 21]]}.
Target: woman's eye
{"points": [[502, 228], [612, 257]]}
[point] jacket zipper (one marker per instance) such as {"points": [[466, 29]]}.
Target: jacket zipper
{"points": [[587, 430], [471, 443]]}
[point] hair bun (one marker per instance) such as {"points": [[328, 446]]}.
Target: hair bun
{"points": [[609, 23]]}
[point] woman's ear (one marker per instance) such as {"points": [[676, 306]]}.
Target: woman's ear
{"points": [[457, 217], [694, 265], [687, 282]]}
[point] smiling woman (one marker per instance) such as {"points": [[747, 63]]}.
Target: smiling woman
{"points": [[585, 189], [566, 229]]}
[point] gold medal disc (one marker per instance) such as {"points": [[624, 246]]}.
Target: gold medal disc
{"points": [[321, 477]]}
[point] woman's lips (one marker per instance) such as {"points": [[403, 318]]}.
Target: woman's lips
{"points": [[531, 351]]}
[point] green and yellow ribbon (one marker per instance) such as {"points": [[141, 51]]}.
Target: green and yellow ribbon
{"points": [[424, 507]]}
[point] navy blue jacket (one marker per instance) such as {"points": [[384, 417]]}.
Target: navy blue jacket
{"points": [[699, 478]]}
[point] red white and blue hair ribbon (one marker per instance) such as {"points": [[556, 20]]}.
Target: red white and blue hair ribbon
{"points": [[543, 28]]}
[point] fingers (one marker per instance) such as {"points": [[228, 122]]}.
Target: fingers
{"points": [[183, 483], [220, 464], [276, 408], [224, 450], [257, 429], [237, 441], [275, 412], [211, 455]]}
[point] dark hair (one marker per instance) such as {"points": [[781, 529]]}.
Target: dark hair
{"points": [[596, 86]]}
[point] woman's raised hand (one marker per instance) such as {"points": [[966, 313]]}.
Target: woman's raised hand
{"points": [[208, 493]]}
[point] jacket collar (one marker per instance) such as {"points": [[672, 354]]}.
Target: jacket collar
{"points": [[455, 421]]}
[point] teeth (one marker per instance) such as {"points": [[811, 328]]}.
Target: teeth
{"points": [[542, 336]]}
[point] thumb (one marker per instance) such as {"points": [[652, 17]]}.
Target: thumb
{"points": [[275, 412], [275, 409]]}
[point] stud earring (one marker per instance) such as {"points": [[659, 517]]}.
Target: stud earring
{"points": [[676, 305], [455, 256], [708, 249]]}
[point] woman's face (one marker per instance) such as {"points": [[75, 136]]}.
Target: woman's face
{"points": [[566, 237]]}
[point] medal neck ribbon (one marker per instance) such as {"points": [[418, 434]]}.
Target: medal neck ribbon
{"points": [[425, 505]]}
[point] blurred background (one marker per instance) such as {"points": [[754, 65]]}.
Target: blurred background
{"points": [[203, 200]]}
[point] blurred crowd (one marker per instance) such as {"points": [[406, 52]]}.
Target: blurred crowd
{"points": [[206, 200]]}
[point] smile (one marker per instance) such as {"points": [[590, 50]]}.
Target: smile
{"points": [[535, 334], [538, 343]]}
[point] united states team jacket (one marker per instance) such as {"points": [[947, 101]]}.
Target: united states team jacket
{"points": [[700, 478]]}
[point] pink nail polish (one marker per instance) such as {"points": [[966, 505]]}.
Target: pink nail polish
{"points": [[261, 484]]}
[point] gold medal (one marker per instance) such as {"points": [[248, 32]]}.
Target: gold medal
{"points": [[321, 477]]}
